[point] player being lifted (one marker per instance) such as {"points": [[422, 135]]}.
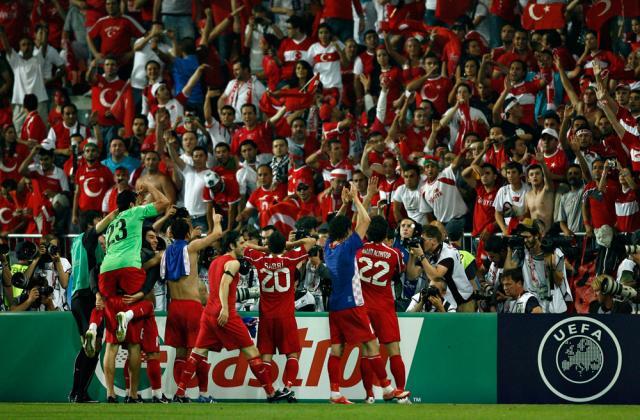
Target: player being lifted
{"points": [[278, 329], [220, 324], [121, 269], [378, 264], [179, 266], [348, 320]]}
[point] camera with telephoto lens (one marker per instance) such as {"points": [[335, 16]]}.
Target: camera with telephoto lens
{"points": [[426, 293], [611, 163], [245, 266], [611, 287], [412, 242], [301, 234], [486, 293], [37, 281], [52, 250], [514, 242]]}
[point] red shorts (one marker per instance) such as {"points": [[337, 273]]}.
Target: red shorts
{"points": [[351, 326], [129, 279], [142, 331], [183, 323], [385, 325], [278, 334], [234, 335]]}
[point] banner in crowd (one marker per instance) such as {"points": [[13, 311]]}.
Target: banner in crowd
{"points": [[555, 359]]}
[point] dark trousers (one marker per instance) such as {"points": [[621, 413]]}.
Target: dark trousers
{"points": [[82, 303]]}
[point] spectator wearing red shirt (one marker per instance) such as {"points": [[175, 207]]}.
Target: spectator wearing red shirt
{"points": [[520, 51], [105, 89], [222, 192], [554, 157], [264, 196], [34, 128], [294, 48], [432, 86], [336, 160], [12, 17], [270, 68], [330, 200], [52, 14], [92, 180], [260, 132], [13, 154], [627, 204], [338, 16], [599, 199], [116, 33], [110, 199], [305, 200], [59, 136], [301, 143]]}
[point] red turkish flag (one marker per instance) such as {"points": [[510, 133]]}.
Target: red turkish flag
{"points": [[449, 11], [601, 12], [123, 109], [543, 16], [269, 104], [282, 215]]}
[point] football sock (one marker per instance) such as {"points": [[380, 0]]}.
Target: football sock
{"points": [[271, 369], [189, 372], [290, 372], [178, 368], [97, 315], [378, 367], [397, 370], [262, 373], [154, 373], [127, 380], [202, 371], [333, 366], [367, 376]]}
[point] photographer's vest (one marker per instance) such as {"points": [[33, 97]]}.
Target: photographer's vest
{"points": [[520, 305], [458, 285]]}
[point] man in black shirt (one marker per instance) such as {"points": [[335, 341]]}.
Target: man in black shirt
{"points": [[606, 304]]}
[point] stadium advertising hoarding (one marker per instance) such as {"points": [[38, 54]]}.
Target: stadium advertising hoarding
{"points": [[558, 359], [441, 354]]}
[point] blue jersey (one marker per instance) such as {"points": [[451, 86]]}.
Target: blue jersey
{"points": [[340, 259]]}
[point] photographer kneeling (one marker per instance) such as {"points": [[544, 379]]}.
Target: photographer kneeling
{"points": [[608, 296], [523, 302], [439, 259], [542, 265], [432, 298]]}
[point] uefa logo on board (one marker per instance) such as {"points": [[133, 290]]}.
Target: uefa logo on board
{"points": [[579, 359]]}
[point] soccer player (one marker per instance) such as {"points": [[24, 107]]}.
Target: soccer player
{"points": [[378, 264], [348, 320], [121, 268], [220, 324], [185, 308], [278, 328]]}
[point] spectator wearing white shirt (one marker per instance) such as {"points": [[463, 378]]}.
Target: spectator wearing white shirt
{"points": [[148, 48], [220, 131], [409, 197], [28, 67], [509, 201], [52, 58], [243, 89], [325, 59]]}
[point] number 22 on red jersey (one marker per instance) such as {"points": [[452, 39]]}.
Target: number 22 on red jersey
{"points": [[377, 264]]}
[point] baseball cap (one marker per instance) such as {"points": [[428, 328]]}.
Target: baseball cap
{"points": [[550, 132], [527, 225], [155, 87]]}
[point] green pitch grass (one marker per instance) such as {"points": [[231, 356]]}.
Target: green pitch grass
{"points": [[265, 411]]}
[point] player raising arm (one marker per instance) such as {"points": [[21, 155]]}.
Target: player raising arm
{"points": [[220, 324], [276, 274], [348, 320]]}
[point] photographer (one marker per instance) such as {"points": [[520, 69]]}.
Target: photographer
{"points": [[496, 249], [316, 278], [432, 298], [629, 270], [438, 259], [407, 235], [543, 266], [605, 302], [522, 302], [35, 274]]}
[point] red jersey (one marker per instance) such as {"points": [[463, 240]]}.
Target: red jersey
{"points": [[497, 158], [341, 9], [12, 17], [303, 174], [271, 72], [415, 141], [484, 212], [261, 135], [330, 130], [557, 162], [377, 265], [437, 91], [229, 195], [290, 52], [368, 60], [276, 274], [602, 205], [46, 11], [93, 182], [388, 186], [33, 128], [326, 167], [632, 143], [115, 33], [216, 271], [510, 56], [60, 134], [262, 198], [525, 93], [627, 212]]}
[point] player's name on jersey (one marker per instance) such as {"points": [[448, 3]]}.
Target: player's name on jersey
{"points": [[376, 253]]}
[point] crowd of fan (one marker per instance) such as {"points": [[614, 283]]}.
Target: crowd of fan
{"points": [[265, 111]]}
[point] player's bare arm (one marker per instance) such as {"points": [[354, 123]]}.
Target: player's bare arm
{"points": [[230, 270]]}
